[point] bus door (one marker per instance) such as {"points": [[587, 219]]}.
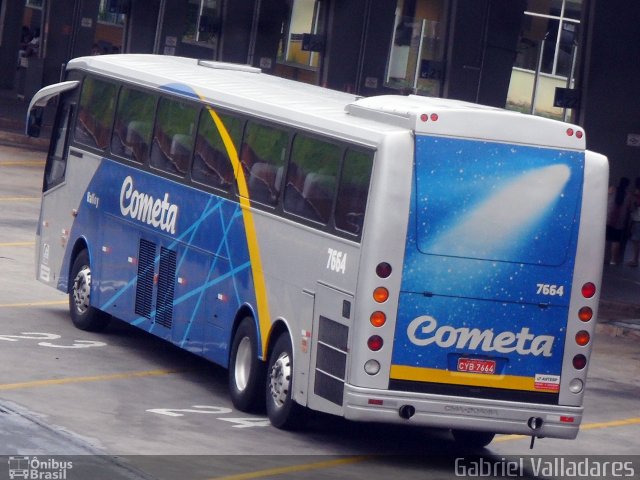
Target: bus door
{"points": [[333, 318], [59, 207], [488, 270]]}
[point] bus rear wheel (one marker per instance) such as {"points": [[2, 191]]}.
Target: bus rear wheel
{"points": [[246, 370], [282, 410], [83, 315], [472, 438]]}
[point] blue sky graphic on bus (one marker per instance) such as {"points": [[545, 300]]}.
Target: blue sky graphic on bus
{"points": [[205, 232], [489, 224]]}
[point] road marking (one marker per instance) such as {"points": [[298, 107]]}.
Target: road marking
{"points": [[305, 467], [585, 426], [34, 304], [18, 199], [17, 244], [96, 378], [23, 163]]}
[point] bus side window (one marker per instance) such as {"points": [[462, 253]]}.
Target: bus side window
{"points": [[311, 178], [211, 163], [95, 114], [132, 130], [173, 137], [262, 157], [353, 191]]}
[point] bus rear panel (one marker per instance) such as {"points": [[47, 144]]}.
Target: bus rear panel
{"points": [[495, 297]]}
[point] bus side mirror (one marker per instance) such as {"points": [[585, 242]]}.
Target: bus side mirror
{"points": [[34, 124]]}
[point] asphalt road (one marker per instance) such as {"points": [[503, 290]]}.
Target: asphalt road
{"points": [[123, 404]]}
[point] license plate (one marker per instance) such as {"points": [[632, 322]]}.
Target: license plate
{"points": [[476, 365]]}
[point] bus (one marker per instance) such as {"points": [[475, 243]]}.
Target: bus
{"points": [[397, 259]]}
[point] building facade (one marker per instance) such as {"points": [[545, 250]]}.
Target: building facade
{"points": [[536, 56]]}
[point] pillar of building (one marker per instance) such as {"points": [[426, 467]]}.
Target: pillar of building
{"points": [[10, 43], [610, 103]]}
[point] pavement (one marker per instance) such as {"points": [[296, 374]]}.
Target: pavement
{"points": [[619, 310]]}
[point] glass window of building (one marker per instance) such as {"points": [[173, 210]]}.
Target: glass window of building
{"points": [[546, 55], [203, 23], [302, 40], [110, 27], [415, 60]]}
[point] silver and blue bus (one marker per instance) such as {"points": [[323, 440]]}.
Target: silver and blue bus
{"points": [[397, 259]]}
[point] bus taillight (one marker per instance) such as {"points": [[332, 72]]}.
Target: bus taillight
{"points": [[383, 270], [582, 338], [378, 319], [375, 343], [579, 361], [381, 294], [585, 314], [588, 290]]}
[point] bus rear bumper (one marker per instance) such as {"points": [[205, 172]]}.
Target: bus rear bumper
{"points": [[371, 405]]}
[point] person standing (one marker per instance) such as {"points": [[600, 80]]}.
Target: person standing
{"points": [[634, 225]]}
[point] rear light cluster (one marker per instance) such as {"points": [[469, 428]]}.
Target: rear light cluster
{"points": [[578, 133], [582, 338], [426, 117], [378, 318]]}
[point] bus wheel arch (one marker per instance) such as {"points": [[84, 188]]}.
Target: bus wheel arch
{"points": [[83, 315], [247, 372], [283, 411]]}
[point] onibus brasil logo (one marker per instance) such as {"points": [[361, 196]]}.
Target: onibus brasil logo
{"points": [[38, 469]]}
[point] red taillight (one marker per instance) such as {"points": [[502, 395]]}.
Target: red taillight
{"points": [[579, 362], [570, 132], [588, 290], [375, 343], [582, 338], [383, 270], [579, 134], [434, 117], [424, 117], [585, 314], [378, 319], [380, 294]]}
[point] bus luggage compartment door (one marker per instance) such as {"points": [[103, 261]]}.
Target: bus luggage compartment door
{"points": [[332, 322]]}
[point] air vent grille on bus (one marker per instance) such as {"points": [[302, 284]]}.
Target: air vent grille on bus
{"points": [[144, 286], [166, 286], [331, 360]]}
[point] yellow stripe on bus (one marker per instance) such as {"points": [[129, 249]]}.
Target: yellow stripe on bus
{"points": [[511, 382], [250, 229]]}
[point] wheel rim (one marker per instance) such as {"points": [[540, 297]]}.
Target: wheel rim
{"points": [[280, 379], [244, 359], [82, 289]]}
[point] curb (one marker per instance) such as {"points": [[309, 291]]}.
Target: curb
{"points": [[15, 139], [618, 319]]}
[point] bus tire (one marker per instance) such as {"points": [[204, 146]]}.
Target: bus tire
{"points": [[472, 438], [246, 371], [282, 410], [83, 315]]}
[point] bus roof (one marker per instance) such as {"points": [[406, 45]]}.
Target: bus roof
{"points": [[245, 88]]}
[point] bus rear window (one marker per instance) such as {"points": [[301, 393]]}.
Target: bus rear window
{"points": [[95, 114], [499, 202]]}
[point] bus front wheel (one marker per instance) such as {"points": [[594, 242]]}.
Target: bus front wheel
{"points": [[472, 439], [83, 315], [282, 410], [246, 370]]}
